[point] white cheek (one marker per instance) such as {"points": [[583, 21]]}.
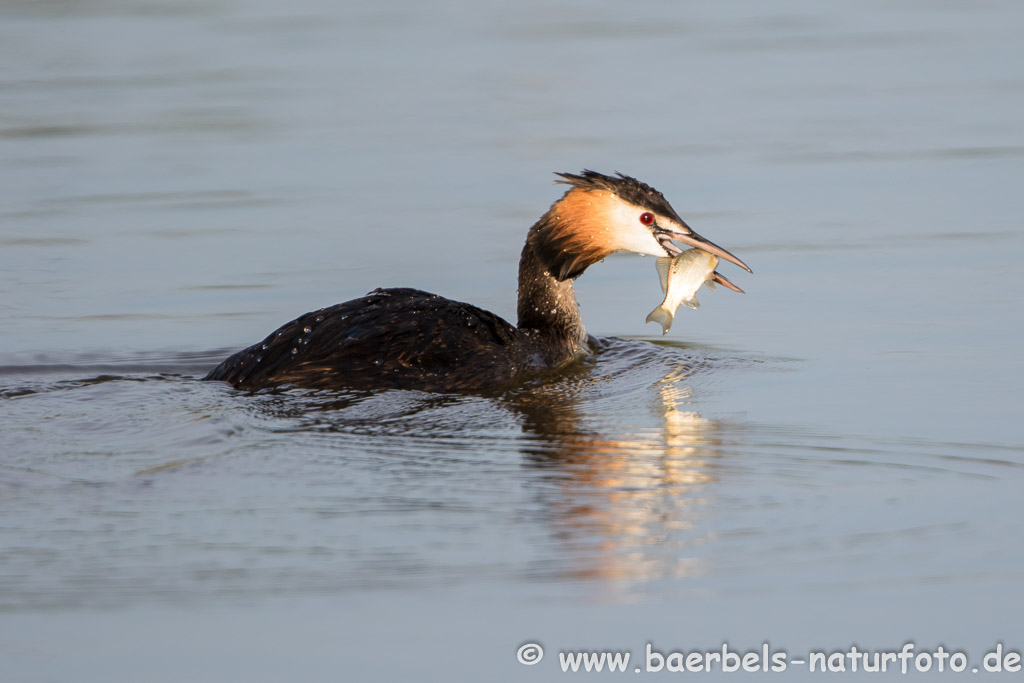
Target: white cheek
{"points": [[632, 235]]}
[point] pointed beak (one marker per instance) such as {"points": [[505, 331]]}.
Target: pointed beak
{"points": [[694, 240]]}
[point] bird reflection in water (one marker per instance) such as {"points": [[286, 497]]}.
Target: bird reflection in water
{"points": [[624, 506], [621, 487]]}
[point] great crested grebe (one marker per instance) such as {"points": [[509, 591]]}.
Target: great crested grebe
{"points": [[410, 339]]}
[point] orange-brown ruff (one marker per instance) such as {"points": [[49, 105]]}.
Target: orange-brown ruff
{"points": [[578, 226], [407, 338]]}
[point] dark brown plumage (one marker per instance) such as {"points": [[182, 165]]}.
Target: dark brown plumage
{"points": [[390, 338]]}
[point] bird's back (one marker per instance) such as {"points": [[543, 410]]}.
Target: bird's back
{"points": [[403, 338]]}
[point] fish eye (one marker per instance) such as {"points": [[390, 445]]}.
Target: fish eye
{"points": [[647, 218]]}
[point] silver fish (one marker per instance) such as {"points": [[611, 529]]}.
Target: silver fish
{"points": [[681, 277]]}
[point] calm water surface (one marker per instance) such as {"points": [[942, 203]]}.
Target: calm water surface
{"points": [[834, 458]]}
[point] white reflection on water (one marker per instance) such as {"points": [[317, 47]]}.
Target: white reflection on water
{"points": [[625, 506]]}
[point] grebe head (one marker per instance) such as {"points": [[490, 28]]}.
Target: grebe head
{"points": [[604, 214]]}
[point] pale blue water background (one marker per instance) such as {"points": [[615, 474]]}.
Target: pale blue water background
{"points": [[834, 458]]}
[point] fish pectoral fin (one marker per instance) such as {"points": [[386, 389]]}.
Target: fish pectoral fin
{"points": [[663, 317], [664, 266]]}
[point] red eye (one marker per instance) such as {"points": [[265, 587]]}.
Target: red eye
{"points": [[647, 218]]}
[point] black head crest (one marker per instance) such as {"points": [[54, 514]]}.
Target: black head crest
{"points": [[626, 187]]}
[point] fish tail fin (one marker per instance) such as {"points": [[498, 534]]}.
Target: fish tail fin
{"points": [[663, 317]]}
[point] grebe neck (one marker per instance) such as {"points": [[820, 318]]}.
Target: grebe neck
{"points": [[548, 306], [559, 247]]}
